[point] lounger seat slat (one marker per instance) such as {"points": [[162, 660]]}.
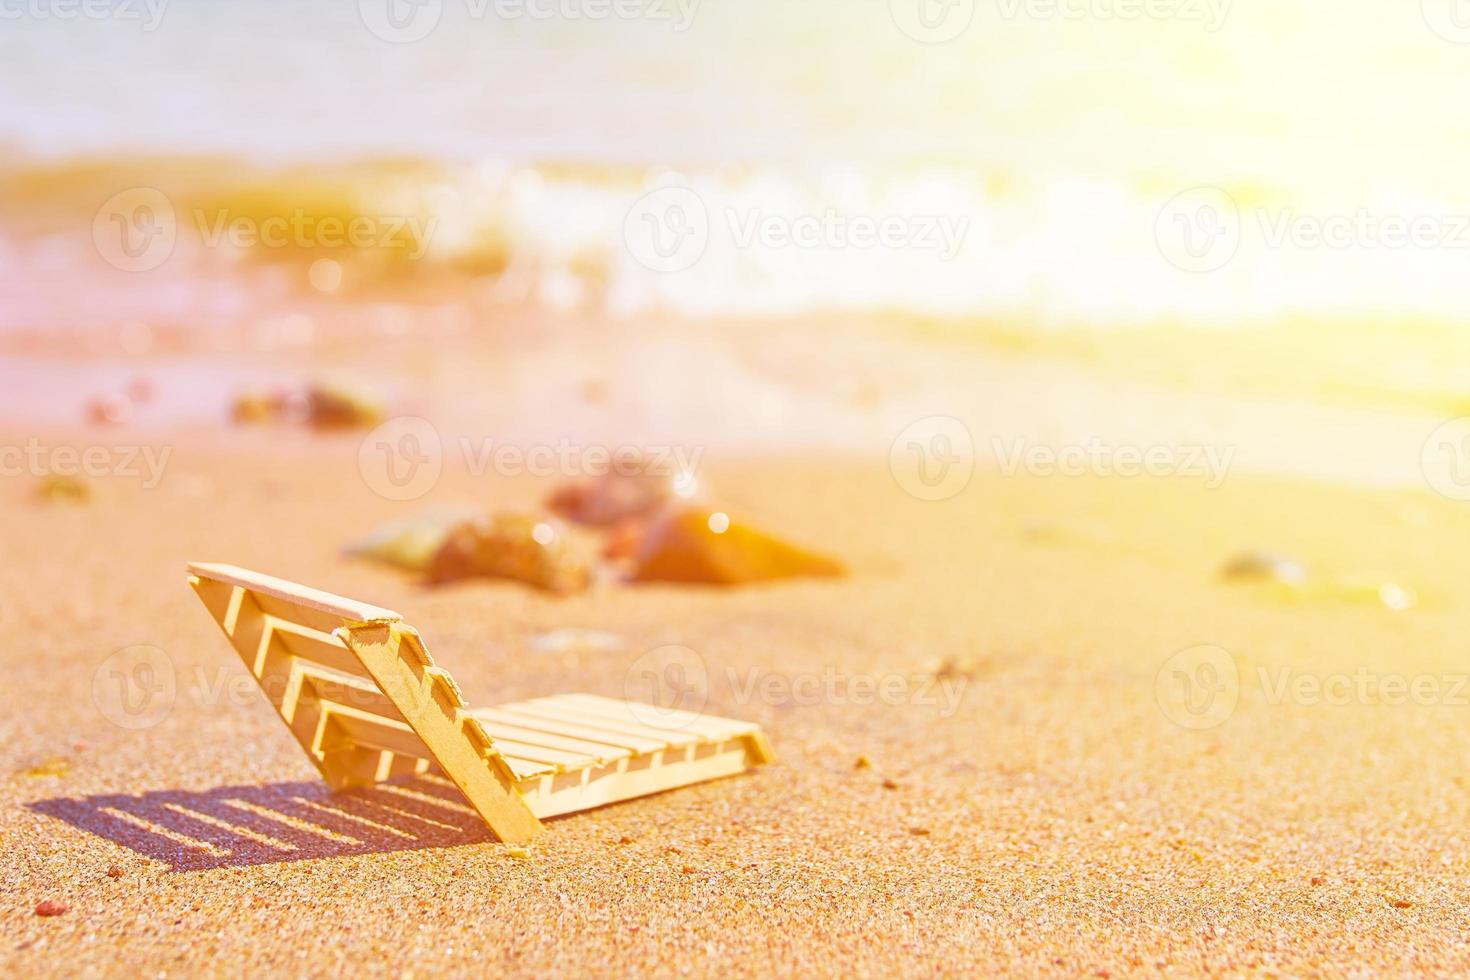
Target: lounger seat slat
{"points": [[562, 726], [615, 726], [710, 726]]}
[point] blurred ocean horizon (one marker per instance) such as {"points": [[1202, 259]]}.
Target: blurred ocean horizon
{"points": [[1058, 165]]}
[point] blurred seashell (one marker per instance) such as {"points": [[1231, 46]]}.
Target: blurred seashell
{"points": [[412, 543], [523, 549], [342, 407], [689, 544], [640, 490]]}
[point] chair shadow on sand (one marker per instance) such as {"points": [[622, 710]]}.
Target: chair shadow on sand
{"points": [[236, 826]]}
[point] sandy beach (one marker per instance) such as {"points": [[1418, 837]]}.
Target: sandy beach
{"points": [[1049, 426], [1054, 817]]}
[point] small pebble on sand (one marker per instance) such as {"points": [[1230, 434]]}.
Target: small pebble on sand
{"points": [[48, 908], [1263, 566]]}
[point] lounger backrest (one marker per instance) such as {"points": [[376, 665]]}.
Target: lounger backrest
{"points": [[359, 691]]}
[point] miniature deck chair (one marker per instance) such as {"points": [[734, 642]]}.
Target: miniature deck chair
{"points": [[361, 694]]}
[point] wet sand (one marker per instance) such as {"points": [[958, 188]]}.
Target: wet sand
{"points": [[1057, 821]]}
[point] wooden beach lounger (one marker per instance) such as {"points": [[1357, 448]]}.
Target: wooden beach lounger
{"points": [[361, 694]]}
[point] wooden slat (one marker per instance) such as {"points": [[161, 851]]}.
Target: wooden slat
{"points": [[395, 657], [562, 760], [348, 609], [710, 726], [602, 752], [527, 768], [306, 618], [381, 733], [560, 726], [361, 695], [325, 650], [618, 726]]}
